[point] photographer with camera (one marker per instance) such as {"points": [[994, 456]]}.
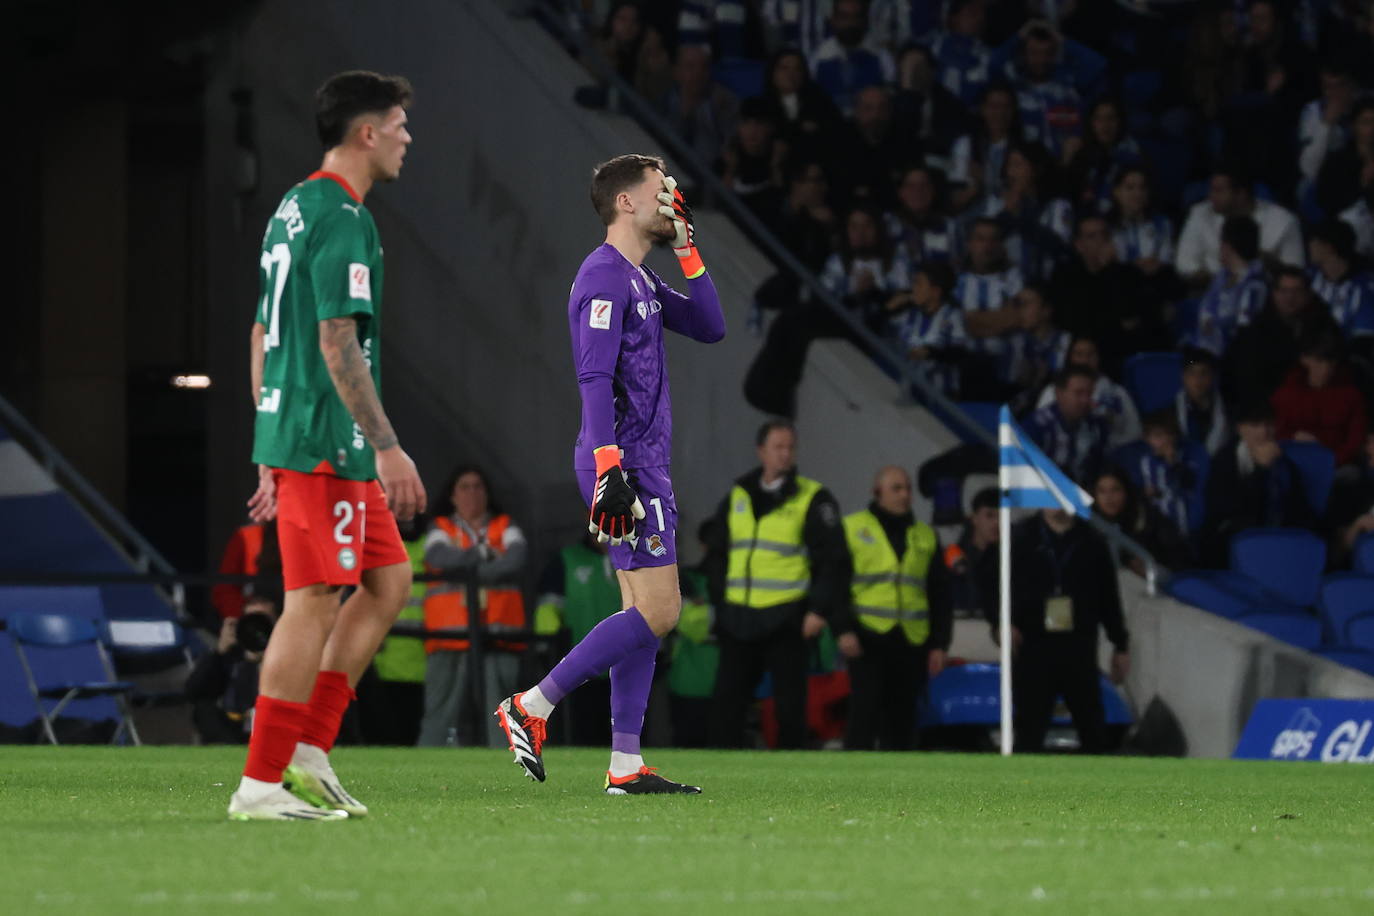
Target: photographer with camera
{"points": [[223, 686]]}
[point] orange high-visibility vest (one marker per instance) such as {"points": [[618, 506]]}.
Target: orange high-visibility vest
{"points": [[241, 556], [446, 602]]}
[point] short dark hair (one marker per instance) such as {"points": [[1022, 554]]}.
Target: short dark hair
{"points": [[1323, 344], [986, 498], [1071, 372], [1086, 218], [614, 176], [1162, 420], [345, 96], [1288, 270], [1242, 234], [1240, 177], [1256, 412], [1197, 356], [939, 274], [1339, 234], [771, 426]]}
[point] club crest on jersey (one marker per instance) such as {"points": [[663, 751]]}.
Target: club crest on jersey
{"points": [[656, 545], [347, 558], [599, 314]]}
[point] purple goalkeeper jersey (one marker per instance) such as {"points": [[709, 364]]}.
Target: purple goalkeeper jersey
{"points": [[617, 313]]}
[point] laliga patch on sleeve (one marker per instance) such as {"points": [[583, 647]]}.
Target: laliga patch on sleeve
{"points": [[599, 314], [360, 282]]}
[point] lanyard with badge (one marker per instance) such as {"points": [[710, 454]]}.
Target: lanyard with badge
{"points": [[1058, 606]]}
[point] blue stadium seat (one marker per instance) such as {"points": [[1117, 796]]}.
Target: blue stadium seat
{"points": [[1362, 559], [1359, 633], [742, 76], [1301, 630], [73, 601], [1153, 379], [1224, 594], [1285, 561], [17, 711], [1359, 659], [1139, 88], [63, 661], [985, 413], [1317, 467], [971, 695], [1344, 596]]}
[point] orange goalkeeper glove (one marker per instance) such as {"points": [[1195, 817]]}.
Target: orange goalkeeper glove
{"points": [[676, 209], [615, 505]]}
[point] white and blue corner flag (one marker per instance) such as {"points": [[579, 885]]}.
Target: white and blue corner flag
{"points": [[1029, 480]]}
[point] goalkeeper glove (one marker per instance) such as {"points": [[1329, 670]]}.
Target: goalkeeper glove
{"points": [[676, 209], [615, 506]]}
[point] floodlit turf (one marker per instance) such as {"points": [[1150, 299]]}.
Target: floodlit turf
{"points": [[96, 830]]}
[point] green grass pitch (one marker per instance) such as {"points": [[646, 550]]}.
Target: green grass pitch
{"points": [[106, 830]]}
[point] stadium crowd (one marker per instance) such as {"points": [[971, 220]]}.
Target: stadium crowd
{"points": [[1031, 200]]}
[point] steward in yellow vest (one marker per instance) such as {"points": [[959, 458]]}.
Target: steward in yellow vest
{"points": [[900, 599], [778, 571]]}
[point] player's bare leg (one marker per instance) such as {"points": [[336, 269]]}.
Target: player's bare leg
{"points": [[359, 629], [289, 668]]}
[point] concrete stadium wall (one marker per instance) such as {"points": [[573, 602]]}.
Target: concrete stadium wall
{"points": [[1210, 671]]}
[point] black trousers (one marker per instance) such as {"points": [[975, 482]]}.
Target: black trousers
{"points": [[1046, 669], [782, 653], [885, 683]]}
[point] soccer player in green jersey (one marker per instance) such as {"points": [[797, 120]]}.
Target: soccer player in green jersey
{"points": [[323, 443]]}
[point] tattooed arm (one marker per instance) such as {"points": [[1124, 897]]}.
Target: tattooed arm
{"points": [[353, 381]]}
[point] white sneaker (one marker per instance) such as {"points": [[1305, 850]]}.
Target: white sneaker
{"points": [[311, 779], [280, 805]]}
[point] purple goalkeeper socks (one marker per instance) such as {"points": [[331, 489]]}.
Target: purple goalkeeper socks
{"points": [[631, 679], [610, 641]]}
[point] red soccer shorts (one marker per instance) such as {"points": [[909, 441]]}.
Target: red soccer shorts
{"points": [[331, 530]]}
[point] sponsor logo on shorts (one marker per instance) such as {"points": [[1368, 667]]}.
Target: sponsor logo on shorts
{"points": [[656, 545], [347, 558]]}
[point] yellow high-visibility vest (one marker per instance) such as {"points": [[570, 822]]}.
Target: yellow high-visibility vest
{"points": [[768, 562], [887, 591]]}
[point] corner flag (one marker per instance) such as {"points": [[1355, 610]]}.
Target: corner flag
{"points": [[1027, 480]]}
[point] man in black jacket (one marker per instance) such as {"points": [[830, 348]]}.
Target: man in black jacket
{"points": [[778, 572], [1064, 586]]}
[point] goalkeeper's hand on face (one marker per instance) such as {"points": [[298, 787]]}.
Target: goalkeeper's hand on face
{"points": [[615, 505], [674, 206]]}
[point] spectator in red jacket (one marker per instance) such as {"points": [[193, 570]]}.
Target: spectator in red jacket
{"points": [[1320, 403]]}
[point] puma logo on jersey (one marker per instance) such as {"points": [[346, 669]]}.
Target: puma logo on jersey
{"points": [[353, 208]]}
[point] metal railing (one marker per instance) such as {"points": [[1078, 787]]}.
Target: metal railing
{"points": [[629, 101], [141, 555]]}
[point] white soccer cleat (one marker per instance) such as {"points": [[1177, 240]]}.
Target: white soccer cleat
{"points": [[280, 805], [311, 779]]}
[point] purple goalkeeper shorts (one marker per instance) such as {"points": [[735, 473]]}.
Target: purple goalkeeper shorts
{"points": [[655, 538]]}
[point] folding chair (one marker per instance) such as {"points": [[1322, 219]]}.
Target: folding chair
{"points": [[81, 661], [144, 646]]}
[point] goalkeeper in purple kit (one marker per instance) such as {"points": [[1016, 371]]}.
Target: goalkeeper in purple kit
{"points": [[617, 311]]}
